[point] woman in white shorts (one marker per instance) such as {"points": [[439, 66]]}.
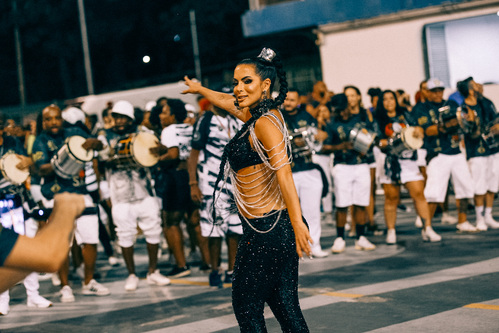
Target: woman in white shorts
{"points": [[399, 166]]}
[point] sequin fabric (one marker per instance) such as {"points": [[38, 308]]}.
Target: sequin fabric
{"points": [[241, 155], [266, 271]]}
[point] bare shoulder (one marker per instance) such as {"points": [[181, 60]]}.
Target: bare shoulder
{"points": [[268, 128], [273, 119]]}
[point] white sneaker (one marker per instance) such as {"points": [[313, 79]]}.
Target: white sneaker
{"points": [[419, 222], [4, 303], [113, 261], [448, 219], [94, 288], [318, 253], [38, 301], [338, 245], [480, 224], [157, 278], [131, 283], [56, 281], [67, 295], [466, 227], [429, 235], [491, 223], [364, 244], [391, 237]]}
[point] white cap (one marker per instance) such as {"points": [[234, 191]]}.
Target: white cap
{"points": [[434, 83], [149, 106], [191, 108], [124, 108], [72, 115]]}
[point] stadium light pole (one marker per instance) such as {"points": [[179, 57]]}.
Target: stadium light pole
{"points": [[195, 46], [86, 49], [19, 57]]}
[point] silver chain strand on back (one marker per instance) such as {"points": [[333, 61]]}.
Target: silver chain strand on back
{"points": [[270, 195]]}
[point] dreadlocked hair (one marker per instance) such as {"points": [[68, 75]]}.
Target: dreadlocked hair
{"points": [[265, 69]]}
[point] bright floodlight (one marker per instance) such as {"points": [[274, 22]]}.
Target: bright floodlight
{"points": [[146, 59]]}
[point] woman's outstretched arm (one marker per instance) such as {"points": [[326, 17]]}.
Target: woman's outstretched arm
{"points": [[221, 100]]}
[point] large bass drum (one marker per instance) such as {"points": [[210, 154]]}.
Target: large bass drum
{"points": [[132, 151], [71, 158]]}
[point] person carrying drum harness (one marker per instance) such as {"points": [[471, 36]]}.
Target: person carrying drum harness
{"points": [[307, 175], [445, 159], [351, 175], [59, 155], [400, 139], [132, 195]]}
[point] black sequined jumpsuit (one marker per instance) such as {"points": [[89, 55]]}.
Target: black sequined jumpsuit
{"points": [[266, 267]]}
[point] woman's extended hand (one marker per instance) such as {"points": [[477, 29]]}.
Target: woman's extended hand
{"points": [[194, 86], [303, 239]]}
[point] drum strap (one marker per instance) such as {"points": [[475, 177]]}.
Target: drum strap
{"points": [[392, 168]]}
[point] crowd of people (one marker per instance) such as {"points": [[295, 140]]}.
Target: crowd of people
{"points": [[153, 172]]}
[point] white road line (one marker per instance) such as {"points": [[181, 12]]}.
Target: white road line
{"points": [[456, 273]]}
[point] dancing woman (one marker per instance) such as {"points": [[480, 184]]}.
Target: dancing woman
{"points": [[275, 234]]}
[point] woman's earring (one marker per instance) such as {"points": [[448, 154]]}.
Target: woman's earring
{"points": [[264, 94]]}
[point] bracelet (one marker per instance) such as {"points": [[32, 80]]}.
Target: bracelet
{"points": [[193, 183]]}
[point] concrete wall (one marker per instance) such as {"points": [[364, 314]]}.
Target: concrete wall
{"points": [[390, 56]]}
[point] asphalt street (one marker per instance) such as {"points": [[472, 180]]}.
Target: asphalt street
{"points": [[413, 286]]}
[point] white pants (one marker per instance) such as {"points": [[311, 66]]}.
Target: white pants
{"points": [[352, 185], [142, 213], [309, 187], [493, 174], [86, 226], [326, 163], [440, 169]]}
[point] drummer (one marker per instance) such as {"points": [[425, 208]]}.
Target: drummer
{"points": [[11, 145], [444, 157], [400, 168], [132, 197], [480, 156], [46, 145], [307, 175], [351, 176]]}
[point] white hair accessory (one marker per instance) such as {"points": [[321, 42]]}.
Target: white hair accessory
{"points": [[267, 54]]}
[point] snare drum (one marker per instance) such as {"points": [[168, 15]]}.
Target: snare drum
{"points": [[10, 172], [404, 140], [71, 158], [362, 139], [132, 151]]}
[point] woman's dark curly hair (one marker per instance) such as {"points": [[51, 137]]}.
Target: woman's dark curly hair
{"points": [[265, 69]]}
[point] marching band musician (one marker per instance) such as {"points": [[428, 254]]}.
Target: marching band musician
{"points": [[45, 147], [480, 156], [444, 156], [11, 145], [211, 134], [173, 185], [351, 175], [400, 168], [133, 203], [307, 177]]}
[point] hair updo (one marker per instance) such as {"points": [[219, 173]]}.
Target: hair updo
{"points": [[268, 65]]}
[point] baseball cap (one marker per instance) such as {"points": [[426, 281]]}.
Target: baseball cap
{"points": [[124, 108], [73, 115], [434, 83], [149, 106]]}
